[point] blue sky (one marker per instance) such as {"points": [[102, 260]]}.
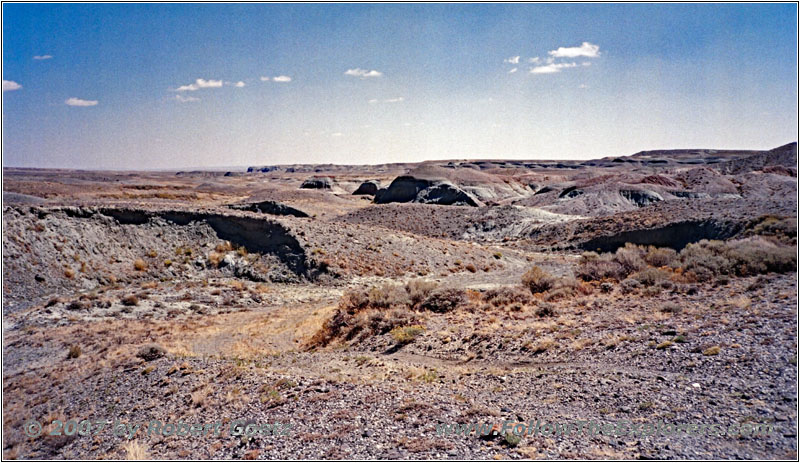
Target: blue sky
{"points": [[172, 86]]}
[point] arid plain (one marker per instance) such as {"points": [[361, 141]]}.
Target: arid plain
{"points": [[655, 287]]}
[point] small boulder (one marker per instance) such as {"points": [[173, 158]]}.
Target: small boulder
{"points": [[370, 187], [151, 352]]}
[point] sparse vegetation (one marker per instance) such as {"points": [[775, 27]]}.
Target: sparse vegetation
{"points": [[537, 280], [406, 334], [140, 265], [74, 352]]}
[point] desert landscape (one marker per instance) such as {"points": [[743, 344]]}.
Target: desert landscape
{"points": [[366, 305]]}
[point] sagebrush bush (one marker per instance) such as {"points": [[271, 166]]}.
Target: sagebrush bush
{"points": [[660, 257], [504, 296], [444, 300], [631, 258], [419, 289], [706, 259], [651, 276], [388, 295], [594, 267], [537, 280]]}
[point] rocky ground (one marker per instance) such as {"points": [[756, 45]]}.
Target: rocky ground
{"points": [[143, 296]]}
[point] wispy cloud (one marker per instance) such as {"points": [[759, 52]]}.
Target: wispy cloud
{"points": [[512, 60], [551, 68], [362, 73], [535, 60], [388, 100], [337, 134], [186, 99], [513, 70], [586, 49], [42, 57], [282, 79], [239, 84], [9, 85], [79, 102], [198, 84]]}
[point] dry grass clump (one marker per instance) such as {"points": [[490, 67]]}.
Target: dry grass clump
{"points": [[406, 334], [130, 300], [74, 352], [537, 280], [139, 265], [215, 258], [224, 247], [134, 450]]}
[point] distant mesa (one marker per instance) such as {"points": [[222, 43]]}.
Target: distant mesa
{"points": [[269, 207], [318, 183], [407, 188], [262, 169], [370, 188]]}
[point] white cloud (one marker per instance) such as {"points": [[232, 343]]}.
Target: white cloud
{"points": [[239, 84], [186, 99], [41, 57], [586, 63], [583, 86], [265, 79], [9, 85], [362, 73], [337, 134], [79, 102], [535, 60], [586, 49], [198, 84], [512, 60], [282, 79], [512, 71], [551, 68], [388, 100]]}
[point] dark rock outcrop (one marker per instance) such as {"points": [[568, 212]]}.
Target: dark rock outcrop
{"points": [[269, 207], [318, 183], [370, 187], [641, 198], [407, 188]]}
